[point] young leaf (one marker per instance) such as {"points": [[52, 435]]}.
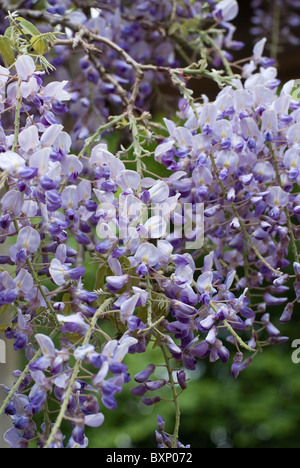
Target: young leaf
{"points": [[7, 51], [3, 309], [38, 45], [9, 32], [3, 327], [27, 27], [100, 277]]}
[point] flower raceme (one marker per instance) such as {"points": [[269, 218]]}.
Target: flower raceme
{"points": [[279, 16], [237, 157], [146, 30]]}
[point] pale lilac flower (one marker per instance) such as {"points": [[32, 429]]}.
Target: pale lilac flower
{"points": [[159, 192], [29, 139], [74, 323], [28, 241], [147, 255], [291, 161], [51, 134], [71, 166], [128, 180], [13, 438], [204, 284], [25, 67], [258, 49], [227, 161], [56, 89], [128, 307], [60, 273], [226, 10], [94, 420], [12, 162], [269, 125], [277, 197], [154, 228], [4, 74], [12, 202], [29, 89], [264, 171], [115, 283]]}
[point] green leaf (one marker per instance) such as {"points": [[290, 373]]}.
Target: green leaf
{"points": [[27, 27], [174, 29], [9, 32], [100, 276], [3, 309], [3, 327], [7, 50], [66, 299], [157, 342], [38, 45]]}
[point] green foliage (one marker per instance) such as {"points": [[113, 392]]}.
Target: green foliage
{"points": [[7, 50], [22, 37]]}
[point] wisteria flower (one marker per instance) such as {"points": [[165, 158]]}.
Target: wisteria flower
{"points": [[28, 242]]}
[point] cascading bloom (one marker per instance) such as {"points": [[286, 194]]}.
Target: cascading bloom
{"points": [[141, 28], [284, 16]]}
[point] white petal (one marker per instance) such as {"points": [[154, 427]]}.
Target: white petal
{"points": [[25, 66], [57, 272], [94, 420], [156, 227], [29, 138], [50, 135], [10, 161]]}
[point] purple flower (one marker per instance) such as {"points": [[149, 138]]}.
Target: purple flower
{"points": [[13, 438], [239, 364], [25, 66], [271, 329], [115, 283], [60, 273], [201, 350], [226, 10], [151, 401], [28, 240], [144, 375]]}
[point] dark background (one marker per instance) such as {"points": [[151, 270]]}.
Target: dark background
{"points": [[289, 57]]}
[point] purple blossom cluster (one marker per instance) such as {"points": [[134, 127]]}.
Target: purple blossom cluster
{"points": [[151, 32], [237, 157]]}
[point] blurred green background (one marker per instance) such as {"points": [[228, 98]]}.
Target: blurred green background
{"points": [[259, 410]]}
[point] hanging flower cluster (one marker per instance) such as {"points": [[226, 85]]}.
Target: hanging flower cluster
{"points": [[194, 261], [278, 21], [143, 32]]}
